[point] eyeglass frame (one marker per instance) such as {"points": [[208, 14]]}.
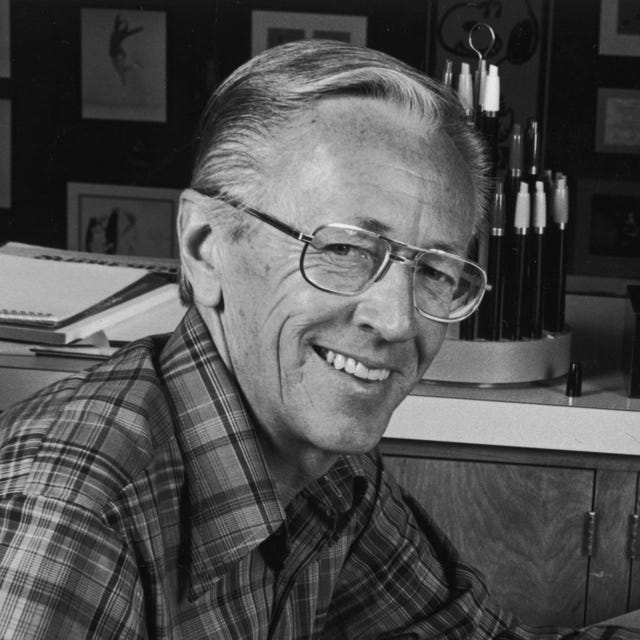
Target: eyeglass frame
{"points": [[382, 270]]}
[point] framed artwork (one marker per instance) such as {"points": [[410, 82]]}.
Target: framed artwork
{"points": [[5, 154], [124, 220], [124, 65], [607, 228], [618, 121], [5, 41], [270, 28], [619, 28]]}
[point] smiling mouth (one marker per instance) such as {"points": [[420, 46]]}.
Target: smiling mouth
{"points": [[349, 365]]}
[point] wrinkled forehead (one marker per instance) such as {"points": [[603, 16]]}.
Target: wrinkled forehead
{"points": [[355, 154]]}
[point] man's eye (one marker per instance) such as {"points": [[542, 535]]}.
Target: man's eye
{"points": [[432, 274], [348, 251], [340, 249]]}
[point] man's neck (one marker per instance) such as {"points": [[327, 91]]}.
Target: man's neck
{"points": [[291, 473]]}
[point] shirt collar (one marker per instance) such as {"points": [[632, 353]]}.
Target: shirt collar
{"points": [[232, 502]]}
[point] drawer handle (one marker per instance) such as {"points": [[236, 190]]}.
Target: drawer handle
{"points": [[589, 533], [633, 535]]}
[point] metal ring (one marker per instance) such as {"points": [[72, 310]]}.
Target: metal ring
{"points": [[479, 25]]}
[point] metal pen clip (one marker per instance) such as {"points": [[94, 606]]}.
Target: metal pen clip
{"points": [[482, 53]]}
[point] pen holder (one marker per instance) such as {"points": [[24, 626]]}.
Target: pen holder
{"points": [[484, 362]]}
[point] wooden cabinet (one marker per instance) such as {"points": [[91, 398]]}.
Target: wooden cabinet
{"points": [[553, 533]]}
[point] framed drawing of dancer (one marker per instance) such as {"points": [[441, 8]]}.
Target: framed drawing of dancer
{"points": [[123, 65], [122, 220]]}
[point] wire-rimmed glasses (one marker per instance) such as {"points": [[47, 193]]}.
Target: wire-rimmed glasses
{"points": [[346, 260]]}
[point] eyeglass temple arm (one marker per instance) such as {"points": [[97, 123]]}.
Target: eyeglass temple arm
{"points": [[264, 217]]}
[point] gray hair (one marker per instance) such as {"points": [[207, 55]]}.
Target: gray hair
{"points": [[262, 96]]}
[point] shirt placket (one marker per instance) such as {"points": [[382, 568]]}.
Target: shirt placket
{"points": [[289, 611]]}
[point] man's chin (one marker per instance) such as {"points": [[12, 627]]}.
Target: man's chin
{"points": [[355, 439]]}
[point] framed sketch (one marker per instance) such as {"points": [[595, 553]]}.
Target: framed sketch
{"points": [[618, 121], [270, 28], [5, 154], [607, 228], [619, 28], [5, 40], [123, 65], [124, 220]]}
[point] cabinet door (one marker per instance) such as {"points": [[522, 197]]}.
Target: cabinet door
{"points": [[634, 553], [610, 576], [521, 525]]}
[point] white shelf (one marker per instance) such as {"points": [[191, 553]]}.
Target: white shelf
{"points": [[602, 420]]}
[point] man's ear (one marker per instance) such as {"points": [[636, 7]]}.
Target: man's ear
{"points": [[198, 249]]}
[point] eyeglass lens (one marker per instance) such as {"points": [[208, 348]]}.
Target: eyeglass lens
{"points": [[347, 261]]}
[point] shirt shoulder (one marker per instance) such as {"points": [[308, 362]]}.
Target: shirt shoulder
{"points": [[84, 438]]}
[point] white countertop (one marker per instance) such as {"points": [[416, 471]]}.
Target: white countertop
{"points": [[539, 416]]}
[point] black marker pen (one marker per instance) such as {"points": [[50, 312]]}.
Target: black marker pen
{"points": [[489, 122], [557, 263], [520, 228], [514, 175], [492, 305], [536, 265]]}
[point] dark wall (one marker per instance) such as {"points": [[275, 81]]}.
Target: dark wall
{"points": [[576, 72], [604, 186], [206, 39]]}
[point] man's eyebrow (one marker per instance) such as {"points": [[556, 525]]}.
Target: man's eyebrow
{"points": [[371, 224], [456, 249]]}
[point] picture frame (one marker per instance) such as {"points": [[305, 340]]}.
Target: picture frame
{"points": [[5, 154], [124, 65], [619, 28], [270, 28], [607, 228], [5, 40], [618, 121], [123, 220]]}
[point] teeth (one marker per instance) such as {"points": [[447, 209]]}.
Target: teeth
{"points": [[354, 367]]}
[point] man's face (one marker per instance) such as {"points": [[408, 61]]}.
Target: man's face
{"points": [[292, 347]]}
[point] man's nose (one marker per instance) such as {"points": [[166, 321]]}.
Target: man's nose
{"points": [[387, 306]]}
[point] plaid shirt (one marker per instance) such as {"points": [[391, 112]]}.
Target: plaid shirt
{"points": [[135, 503]]}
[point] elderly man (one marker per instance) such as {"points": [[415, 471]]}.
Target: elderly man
{"points": [[223, 482]]}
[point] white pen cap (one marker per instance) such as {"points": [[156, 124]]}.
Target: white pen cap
{"points": [[540, 206], [561, 201], [523, 208], [491, 100], [465, 87]]}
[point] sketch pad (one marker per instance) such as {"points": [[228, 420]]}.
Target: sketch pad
{"points": [[56, 290]]}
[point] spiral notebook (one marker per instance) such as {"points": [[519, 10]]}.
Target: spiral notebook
{"points": [[57, 301]]}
